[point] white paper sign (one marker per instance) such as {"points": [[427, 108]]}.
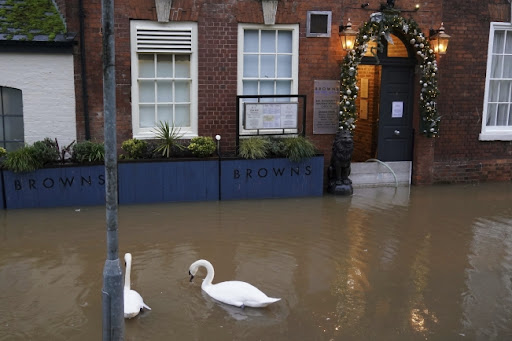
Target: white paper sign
{"points": [[270, 115], [397, 109]]}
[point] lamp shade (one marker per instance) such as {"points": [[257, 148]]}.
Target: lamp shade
{"points": [[439, 41], [347, 36]]}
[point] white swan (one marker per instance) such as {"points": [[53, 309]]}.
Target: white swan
{"points": [[235, 293], [133, 302]]}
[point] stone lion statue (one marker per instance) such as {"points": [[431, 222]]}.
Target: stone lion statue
{"points": [[339, 168]]}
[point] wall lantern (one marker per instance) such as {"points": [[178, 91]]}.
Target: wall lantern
{"points": [[439, 40], [347, 36]]}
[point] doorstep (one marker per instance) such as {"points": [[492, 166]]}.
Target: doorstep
{"points": [[381, 174]]}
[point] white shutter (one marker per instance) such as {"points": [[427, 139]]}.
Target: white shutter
{"points": [[164, 40]]}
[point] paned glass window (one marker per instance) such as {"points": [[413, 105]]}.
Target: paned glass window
{"points": [[497, 111], [268, 61], [11, 118], [164, 76]]}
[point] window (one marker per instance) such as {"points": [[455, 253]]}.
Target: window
{"points": [[267, 63], [318, 24], [164, 77], [497, 111], [11, 119]]}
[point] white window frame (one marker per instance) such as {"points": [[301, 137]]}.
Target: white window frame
{"points": [[135, 25], [493, 133], [294, 28], [5, 114]]}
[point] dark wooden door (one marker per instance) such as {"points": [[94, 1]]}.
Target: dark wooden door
{"points": [[395, 114]]}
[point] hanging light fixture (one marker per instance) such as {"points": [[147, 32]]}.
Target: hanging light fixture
{"points": [[439, 40], [347, 36]]}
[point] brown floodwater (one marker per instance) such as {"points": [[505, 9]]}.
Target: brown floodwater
{"points": [[384, 264]]}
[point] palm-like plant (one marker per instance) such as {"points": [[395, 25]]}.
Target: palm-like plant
{"points": [[168, 138], [254, 148]]}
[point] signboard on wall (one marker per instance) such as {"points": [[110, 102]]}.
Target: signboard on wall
{"points": [[326, 106], [270, 115]]}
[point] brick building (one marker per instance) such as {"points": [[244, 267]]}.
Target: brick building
{"points": [[190, 63]]}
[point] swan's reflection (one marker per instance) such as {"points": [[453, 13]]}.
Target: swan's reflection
{"points": [[239, 314]]}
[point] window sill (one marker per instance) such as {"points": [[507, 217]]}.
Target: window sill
{"points": [[496, 136]]}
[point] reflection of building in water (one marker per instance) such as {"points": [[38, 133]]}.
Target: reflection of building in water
{"points": [[420, 316], [387, 270], [351, 282], [487, 304]]}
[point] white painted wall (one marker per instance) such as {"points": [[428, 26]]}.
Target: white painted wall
{"points": [[48, 90]]}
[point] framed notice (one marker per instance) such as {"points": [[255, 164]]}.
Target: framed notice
{"points": [[270, 115], [326, 107]]}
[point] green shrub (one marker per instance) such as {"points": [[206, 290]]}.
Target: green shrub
{"points": [[202, 146], [168, 138], [87, 152], [22, 160], [46, 151], [254, 148], [277, 147], [3, 152], [299, 148], [135, 149]]}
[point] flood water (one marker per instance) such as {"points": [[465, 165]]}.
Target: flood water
{"points": [[384, 264]]}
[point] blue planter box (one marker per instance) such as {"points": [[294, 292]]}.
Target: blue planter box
{"points": [[164, 181], [51, 187], [150, 182], [271, 178]]}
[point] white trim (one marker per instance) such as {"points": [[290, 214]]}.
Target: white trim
{"points": [[174, 38], [491, 133], [495, 136], [294, 28]]}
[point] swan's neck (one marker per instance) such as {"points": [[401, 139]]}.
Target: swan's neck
{"points": [[209, 273], [127, 275]]}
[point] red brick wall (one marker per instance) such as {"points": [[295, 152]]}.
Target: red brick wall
{"points": [[459, 155], [461, 72], [473, 171]]}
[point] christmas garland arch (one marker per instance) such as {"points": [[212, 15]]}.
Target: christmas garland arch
{"points": [[382, 25]]}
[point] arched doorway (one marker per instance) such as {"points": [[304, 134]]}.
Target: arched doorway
{"points": [[389, 68], [385, 104]]}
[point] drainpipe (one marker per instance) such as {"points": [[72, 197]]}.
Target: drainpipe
{"points": [[85, 94]]}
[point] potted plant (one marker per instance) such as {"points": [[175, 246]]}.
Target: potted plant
{"points": [[34, 175], [168, 137], [202, 146], [172, 178]]}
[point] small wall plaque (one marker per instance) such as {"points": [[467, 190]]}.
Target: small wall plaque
{"points": [[326, 106]]}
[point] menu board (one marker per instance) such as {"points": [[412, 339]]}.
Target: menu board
{"points": [[270, 115]]}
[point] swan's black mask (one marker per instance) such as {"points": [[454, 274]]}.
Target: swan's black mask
{"points": [[191, 276]]}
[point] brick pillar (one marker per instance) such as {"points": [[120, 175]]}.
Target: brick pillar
{"points": [[423, 160]]}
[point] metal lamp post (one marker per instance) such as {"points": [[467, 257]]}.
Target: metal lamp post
{"points": [[112, 291]]}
